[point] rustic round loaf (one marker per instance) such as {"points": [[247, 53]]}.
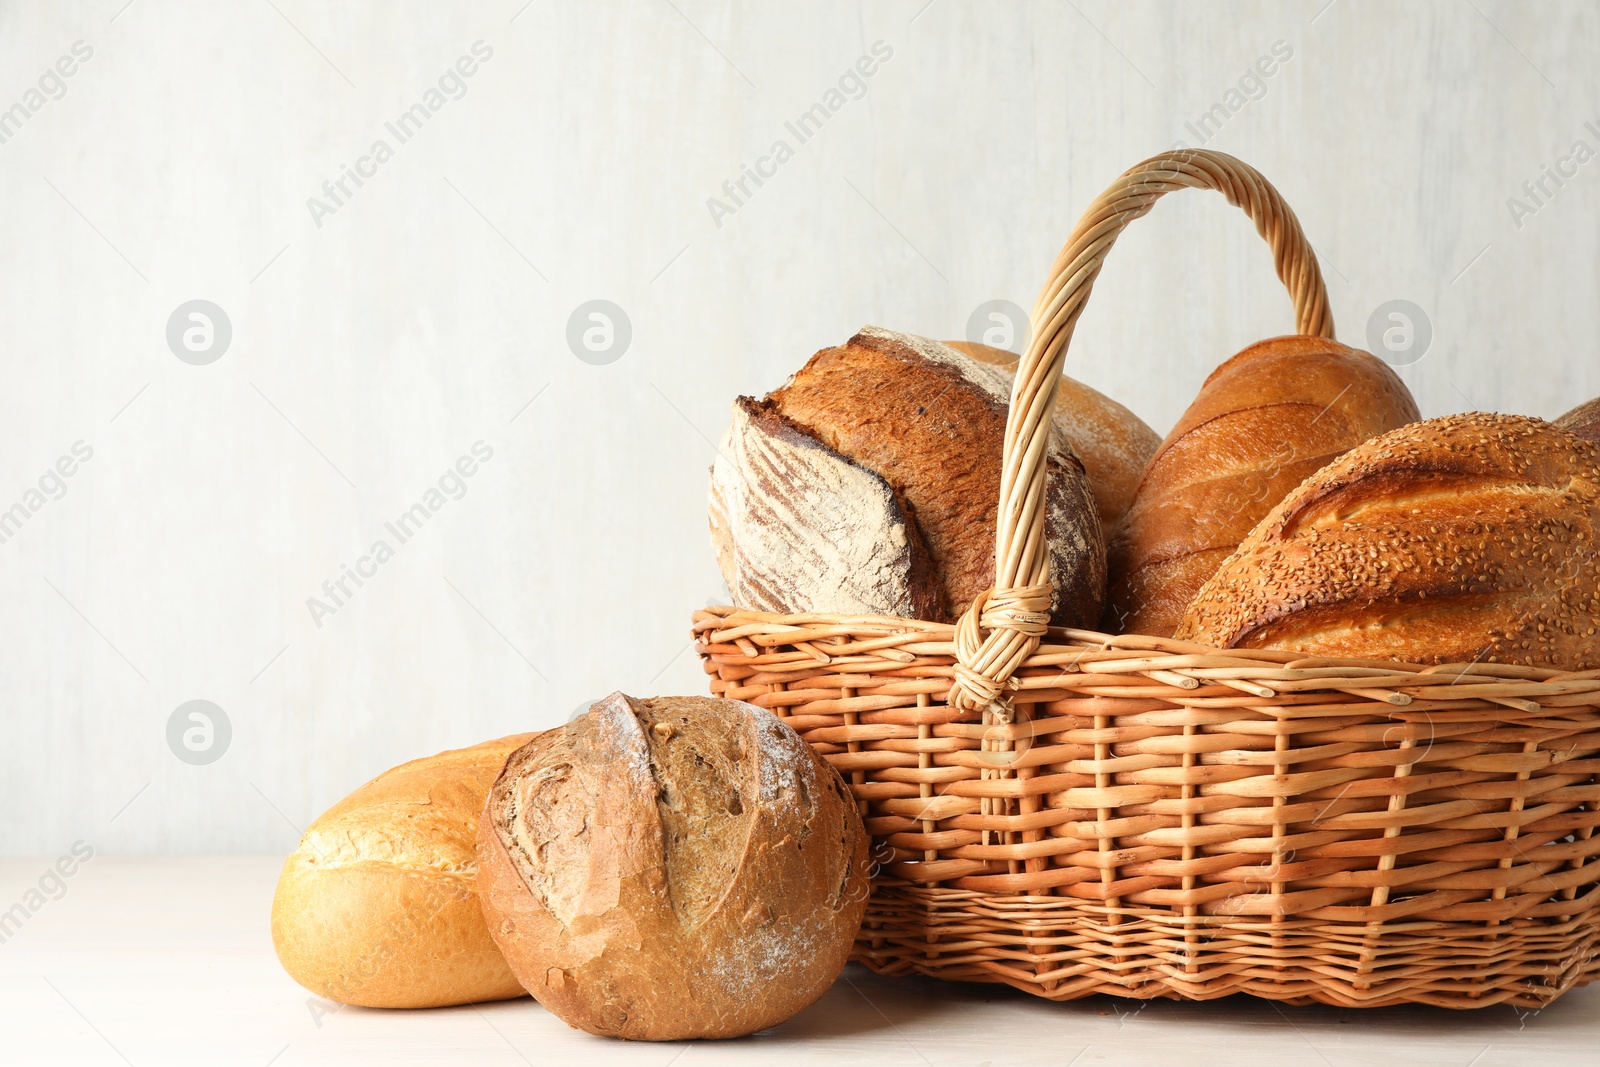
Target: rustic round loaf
{"points": [[377, 906], [1448, 541], [1583, 420], [1114, 444], [1262, 422], [867, 485], [672, 868]]}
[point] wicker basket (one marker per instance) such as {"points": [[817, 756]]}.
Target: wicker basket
{"points": [[1071, 812]]}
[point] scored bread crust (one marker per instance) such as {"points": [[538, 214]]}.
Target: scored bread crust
{"points": [[377, 904], [1583, 420], [868, 484], [672, 868], [1114, 445], [790, 514], [1448, 541], [1264, 420]]}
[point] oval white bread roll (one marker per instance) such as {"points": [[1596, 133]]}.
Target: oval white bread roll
{"points": [[378, 907]]}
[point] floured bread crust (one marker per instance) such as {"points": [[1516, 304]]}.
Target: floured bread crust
{"points": [[793, 521], [672, 868], [868, 483]]}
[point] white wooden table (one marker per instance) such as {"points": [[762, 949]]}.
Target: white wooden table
{"points": [[169, 961]]}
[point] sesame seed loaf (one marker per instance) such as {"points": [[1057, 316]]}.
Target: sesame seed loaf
{"points": [[1262, 422], [1447, 541]]}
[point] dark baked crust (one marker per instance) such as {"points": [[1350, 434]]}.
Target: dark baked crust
{"points": [[1583, 420], [935, 434], [673, 868], [928, 433], [1457, 539], [1263, 421], [1113, 444]]}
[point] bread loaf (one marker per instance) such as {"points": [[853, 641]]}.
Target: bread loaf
{"points": [[868, 483], [672, 868], [1457, 539], [1261, 423], [376, 907], [1113, 443], [1583, 420]]}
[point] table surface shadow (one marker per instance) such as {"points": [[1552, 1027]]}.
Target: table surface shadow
{"points": [[170, 961]]}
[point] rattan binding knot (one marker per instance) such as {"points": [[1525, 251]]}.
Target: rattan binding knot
{"points": [[981, 680]]}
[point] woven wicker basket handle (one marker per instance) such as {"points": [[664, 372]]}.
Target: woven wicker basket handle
{"points": [[1004, 625]]}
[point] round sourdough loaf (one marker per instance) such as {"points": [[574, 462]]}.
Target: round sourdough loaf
{"points": [[377, 905], [1261, 423], [673, 868], [1114, 444], [1448, 541], [867, 485], [1583, 420]]}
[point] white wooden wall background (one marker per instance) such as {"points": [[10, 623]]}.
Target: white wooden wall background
{"points": [[374, 344]]}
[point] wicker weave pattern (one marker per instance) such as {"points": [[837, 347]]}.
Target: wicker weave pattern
{"points": [[975, 937], [1174, 821], [1072, 813]]}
